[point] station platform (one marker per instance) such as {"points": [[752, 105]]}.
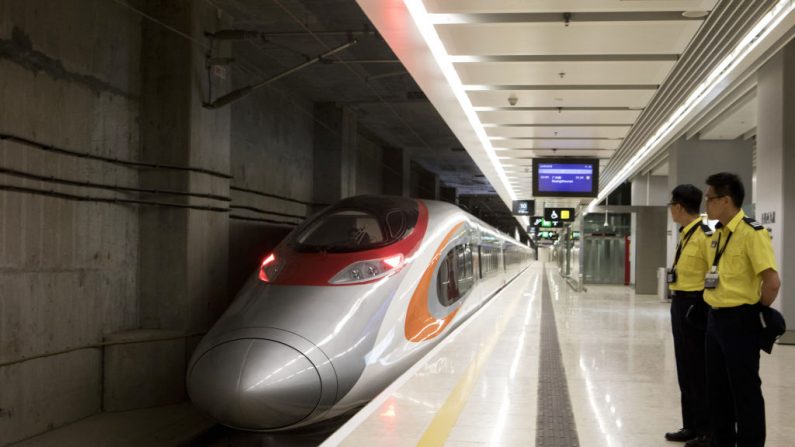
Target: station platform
{"points": [[495, 382], [538, 365]]}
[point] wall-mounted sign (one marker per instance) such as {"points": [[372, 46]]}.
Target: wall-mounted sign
{"points": [[551, 224], [524, 207], [536, 221], [562, 214]]}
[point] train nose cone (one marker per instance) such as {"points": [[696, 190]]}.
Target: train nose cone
{"points": [[255, 384]]}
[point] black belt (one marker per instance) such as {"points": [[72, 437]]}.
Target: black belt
{"points": [[733, 308], [684, 294]]}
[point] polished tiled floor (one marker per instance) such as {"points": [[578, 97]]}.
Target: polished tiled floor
{"points": [[479, 386]]}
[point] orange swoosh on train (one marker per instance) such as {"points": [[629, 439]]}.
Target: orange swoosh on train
{"points": [[420, 324]]}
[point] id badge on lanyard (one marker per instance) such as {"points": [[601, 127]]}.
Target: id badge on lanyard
{"points": [[713, 277], [711, 280]]}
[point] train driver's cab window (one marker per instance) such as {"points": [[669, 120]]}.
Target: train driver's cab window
{"points": [[346, 230], [456, 275]]}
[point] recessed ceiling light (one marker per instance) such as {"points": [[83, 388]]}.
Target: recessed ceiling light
{"points": [[695, 14]]}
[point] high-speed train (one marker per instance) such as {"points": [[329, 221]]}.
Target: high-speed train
{"points": [[349, 301]]}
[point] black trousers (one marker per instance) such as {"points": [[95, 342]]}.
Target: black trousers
{"points": [[691, 360], [737, 408]]}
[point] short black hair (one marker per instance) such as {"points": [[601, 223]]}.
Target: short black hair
{"points": [[689, 197], [728, 184]]}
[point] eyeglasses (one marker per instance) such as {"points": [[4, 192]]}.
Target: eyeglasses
{"points": [[709, 199], [673, 203]]}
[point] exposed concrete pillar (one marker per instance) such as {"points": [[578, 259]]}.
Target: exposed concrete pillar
{"points": [[776, 164], [335, 148], [396, 172], [183, 252]]}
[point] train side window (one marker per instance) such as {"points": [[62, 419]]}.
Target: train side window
{"points": [[456, 275]]}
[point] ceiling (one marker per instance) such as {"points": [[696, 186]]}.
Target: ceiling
{"points": [[518, 79], [367, 77], [557, 78], [587, 78]]}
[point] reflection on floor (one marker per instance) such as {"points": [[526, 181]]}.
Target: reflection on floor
{"points": [[480, 387], [220, 436]]}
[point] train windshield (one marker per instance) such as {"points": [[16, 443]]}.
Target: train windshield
{"points": [[358, 224]]}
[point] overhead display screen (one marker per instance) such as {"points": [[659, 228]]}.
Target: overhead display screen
{"points": [[565, 177]]}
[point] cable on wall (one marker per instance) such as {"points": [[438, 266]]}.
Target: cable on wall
{"points": [[118, 161]]}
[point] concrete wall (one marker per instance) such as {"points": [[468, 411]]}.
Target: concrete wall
{"points": [[272, 151], [76, 277], [368, 167], [68, 269], [395, 169], [272, 138]]}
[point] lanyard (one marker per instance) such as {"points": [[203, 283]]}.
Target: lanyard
{"points": [[681, 246], [719, 252]]}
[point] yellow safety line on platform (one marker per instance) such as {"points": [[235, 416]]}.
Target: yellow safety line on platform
{"points": [[442, 424]]}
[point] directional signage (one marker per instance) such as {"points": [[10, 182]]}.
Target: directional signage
{"points": [[563, 214], [524, 207], [539, 222], [552, 224]]}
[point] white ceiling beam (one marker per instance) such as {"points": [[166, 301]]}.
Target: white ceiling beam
{"points": [[465, 58], [737, 98], [486, 87], [562, 17], [558, 125]]}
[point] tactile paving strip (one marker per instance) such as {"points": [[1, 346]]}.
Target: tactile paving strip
{"points": [[555, 425]]}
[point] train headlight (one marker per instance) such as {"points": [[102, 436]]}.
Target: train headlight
{"points": [[363, 271], [270, 268]]}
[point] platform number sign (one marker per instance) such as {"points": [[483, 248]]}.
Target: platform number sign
{"points": [[523, 207]]}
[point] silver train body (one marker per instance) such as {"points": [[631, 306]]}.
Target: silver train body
{"points": [[347, 303]]}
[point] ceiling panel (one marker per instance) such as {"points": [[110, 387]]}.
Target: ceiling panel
{"points": [[475, 6], [559, 132], [557, 144], [544, 82], [563, 98], [565, 116], [577, 38], [732, 125], [589, 72], [527, 154]]}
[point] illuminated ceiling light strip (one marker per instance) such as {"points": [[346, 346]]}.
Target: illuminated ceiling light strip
{"points": [[747, 44], [423, 21]]}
